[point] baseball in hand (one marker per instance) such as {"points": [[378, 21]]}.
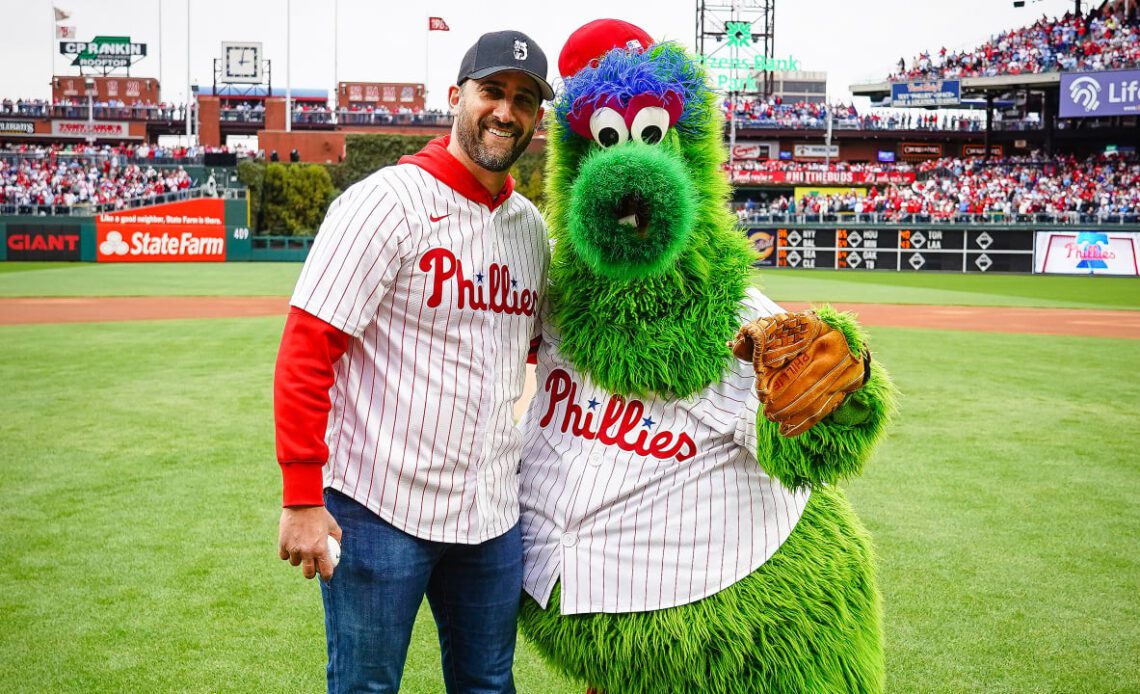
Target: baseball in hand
{"points": [[334, 551]]}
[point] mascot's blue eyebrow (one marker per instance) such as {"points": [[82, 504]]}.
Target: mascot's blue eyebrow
{"points": [[660, 69]]}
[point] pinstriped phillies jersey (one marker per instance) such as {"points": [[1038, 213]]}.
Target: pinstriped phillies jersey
{"points": [[641, 505], [441, 294]]}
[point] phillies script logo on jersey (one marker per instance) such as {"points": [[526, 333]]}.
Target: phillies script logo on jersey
{"points": [[616, 427], [496, 292]]}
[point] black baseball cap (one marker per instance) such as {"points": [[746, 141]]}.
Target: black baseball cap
{"points": [[500, 51]]}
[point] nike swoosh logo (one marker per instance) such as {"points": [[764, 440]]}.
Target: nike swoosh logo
{"points": [[433, 218]]}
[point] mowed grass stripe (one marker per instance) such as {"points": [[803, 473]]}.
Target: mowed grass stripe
{"points": [[278, 279], [143, 502], [952, 289]]}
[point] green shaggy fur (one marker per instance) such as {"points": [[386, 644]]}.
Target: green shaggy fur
{"points": [[808, 620], [663, 333], [836, 448], [661, 180]]}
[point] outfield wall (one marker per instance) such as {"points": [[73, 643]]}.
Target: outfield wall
{"points": [[216, 230], [200, 229], [1084, 249]]}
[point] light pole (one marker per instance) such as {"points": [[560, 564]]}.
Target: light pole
{"points": [[89, 87]]}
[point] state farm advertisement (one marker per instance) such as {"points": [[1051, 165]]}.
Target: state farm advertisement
{"points": [[190, 231]]}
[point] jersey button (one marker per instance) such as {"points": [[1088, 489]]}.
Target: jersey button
{"points": [[594, 460], [569, 539]]}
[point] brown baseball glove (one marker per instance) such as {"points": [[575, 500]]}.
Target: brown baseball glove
{"points": [[804, 368]]}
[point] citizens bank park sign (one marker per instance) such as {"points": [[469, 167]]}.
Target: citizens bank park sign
{"points": [[104, 53], [186, 231]]}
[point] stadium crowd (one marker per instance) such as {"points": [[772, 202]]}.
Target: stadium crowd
{"points": [[773, 112], [59, 181], [141, 153], [1107, 38], [955, 188]]}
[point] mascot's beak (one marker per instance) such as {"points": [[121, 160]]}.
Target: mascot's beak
{"points": [[632, 207], [633, 212]]}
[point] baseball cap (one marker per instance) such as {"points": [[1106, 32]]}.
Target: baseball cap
{"points": [[500, 51], [594, 39]]}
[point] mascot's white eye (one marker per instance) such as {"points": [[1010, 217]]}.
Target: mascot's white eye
{"points": [[608, 127], [650, 124]]}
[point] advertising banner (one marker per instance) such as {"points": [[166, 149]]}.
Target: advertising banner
{"points": [[980, 151], [81, 128], [926, 93], [752, 150], [1106, 93], [186, 231], [825, 178], [764, 243], [815, 151], [1086, 253], [42, 243], [804, 191], [921, 150], [17, 127]]}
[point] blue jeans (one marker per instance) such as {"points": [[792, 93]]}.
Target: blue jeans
{"points": [[376, 591]]}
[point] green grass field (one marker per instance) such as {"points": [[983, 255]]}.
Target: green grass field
{"points": [[142, 498]]}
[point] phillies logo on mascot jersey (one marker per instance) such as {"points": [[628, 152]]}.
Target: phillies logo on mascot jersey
{"points": [[626, 415], [501, 295]]}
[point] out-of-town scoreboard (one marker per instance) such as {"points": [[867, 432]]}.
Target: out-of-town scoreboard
{"points": [[957, 250]]}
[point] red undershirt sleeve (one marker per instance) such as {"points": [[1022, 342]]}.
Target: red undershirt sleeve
{"points": [[309, 349]]}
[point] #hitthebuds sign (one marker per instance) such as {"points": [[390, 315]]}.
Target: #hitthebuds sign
{"points": [[104, 52], [187, 231]]}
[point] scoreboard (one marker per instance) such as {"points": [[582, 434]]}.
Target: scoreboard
{"points": [[955, 250]]}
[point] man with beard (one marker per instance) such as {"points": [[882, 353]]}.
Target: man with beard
{"points": [[403, 354]]}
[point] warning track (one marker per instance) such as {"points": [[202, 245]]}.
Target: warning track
{"points": [[1041, 321]]}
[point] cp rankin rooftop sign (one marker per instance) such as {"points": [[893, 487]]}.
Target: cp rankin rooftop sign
{"points": [[104, 53]]}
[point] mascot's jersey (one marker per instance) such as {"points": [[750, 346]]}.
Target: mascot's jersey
{"points": [[443, 296], [640, 505]]}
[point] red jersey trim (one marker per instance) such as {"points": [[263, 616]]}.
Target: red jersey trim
{"points": [[302, 379], [437, 161]]}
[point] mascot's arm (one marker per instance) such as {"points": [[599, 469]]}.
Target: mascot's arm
{"points": [[837, 446]]}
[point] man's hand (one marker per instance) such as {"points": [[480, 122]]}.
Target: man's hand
{"points": [[301, 539]]}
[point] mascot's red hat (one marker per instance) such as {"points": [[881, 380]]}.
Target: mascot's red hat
{"points": [[591, 41]]}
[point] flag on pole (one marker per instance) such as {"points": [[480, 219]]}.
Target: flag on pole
{"points": [[60, 15], [62, 32], [437, 24]]}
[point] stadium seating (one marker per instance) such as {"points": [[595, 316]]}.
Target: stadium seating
{"points": [[1105, 39], [1062, 189], [49, 181]]}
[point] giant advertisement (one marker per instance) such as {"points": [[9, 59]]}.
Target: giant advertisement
{"points": [[27, 242], [1086, 253], [1109, 93], [926, 93], [186, 231]]}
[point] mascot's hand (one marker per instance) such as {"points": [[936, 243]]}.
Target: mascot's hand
{"points": [[804, 368]]}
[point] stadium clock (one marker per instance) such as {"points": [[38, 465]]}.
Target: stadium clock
{"points": [[241, 62]]}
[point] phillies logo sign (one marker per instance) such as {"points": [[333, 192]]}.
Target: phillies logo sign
{"points": [[495, 292], [617, 425]]}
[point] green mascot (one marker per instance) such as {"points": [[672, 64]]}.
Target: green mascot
{"points": [[681, 523]]}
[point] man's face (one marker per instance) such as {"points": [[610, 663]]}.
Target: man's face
{"points": [[495, 117]]}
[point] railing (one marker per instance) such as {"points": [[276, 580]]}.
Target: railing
{"points": [[867, 123], [79, 112], [1066, 218], [242, 115], [158, 160], [347, 117], [89, 210]]}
